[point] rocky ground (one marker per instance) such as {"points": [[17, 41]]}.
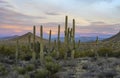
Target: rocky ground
{"points": [[101, 67], [88, 67]]}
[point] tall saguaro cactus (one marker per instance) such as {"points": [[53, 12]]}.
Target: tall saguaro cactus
{"points": [[29, 42], [33, 52], [41, 45], [66, 28], [66, 34], [74, 28], [58, 41], [17, 51], [50, 40], [73, 40], [97, 55]]}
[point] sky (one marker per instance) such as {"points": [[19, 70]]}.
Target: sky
{"points": [[93, 17]]}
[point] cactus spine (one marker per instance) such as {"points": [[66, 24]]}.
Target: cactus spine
{"points": [[41, 45], [33, 53]]}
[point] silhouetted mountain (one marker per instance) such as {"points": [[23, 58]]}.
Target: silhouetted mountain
{"points": [[25, 38], [114, 38]]}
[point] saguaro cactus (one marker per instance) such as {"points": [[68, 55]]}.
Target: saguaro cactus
{"points": [[29, 42], [41, 45], [49, 41], [74, 29], [58, 41], [97, 55], [66, 27], [33, 52], [17, 51], [66, 35], [73, 40]]}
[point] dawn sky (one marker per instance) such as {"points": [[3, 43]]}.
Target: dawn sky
{"points": [[93, 17]]}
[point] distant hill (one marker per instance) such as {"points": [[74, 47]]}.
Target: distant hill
{"points": [[25, 38], [8, 37], [114, 38]]}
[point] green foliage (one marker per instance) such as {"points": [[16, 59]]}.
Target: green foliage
{"points": [[104, 50], [52, 67], [30, 67], [48, 59], [4, 50], [62, 51], [21, 70], [3, 70], [41, 73], [88, 53], [54, 54]]}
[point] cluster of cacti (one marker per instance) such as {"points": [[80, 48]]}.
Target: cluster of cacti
{"points": [[70, 36], [68, 40]]}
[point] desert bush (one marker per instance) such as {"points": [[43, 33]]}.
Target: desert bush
{"points": [[104, 50], [62, 52], [5, 50], [48, 59], [21, 70], [87, 53], [41, 73], [52, 67], [30, 67], [3, 70]]}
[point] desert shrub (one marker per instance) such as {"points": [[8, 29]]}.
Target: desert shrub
{"points": [[30, 67], [54, 54], [62, 52], [41, 73], [5, 50], [21, 70], [104, 50], [87, 53], [116, 54], [48, 59], [3, 70], [52, 67]]}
